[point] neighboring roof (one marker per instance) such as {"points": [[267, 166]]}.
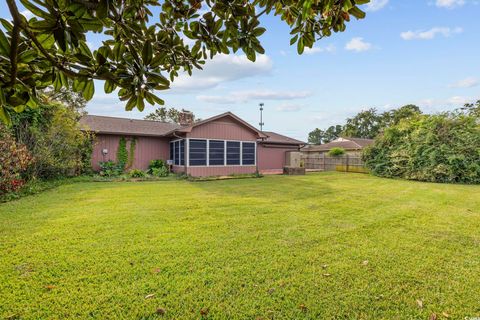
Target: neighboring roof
{"points": [[112, 125], [276, 138], [344, 143], [226, 114]]}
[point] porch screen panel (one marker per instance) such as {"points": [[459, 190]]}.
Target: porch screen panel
{"points": [[216, 152], [177, 153], [198, 152], [233, 153], [172, 154], [182, 152], [248, 153]]}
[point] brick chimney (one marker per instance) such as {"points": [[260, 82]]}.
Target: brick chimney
{"points": [[185, 118]]}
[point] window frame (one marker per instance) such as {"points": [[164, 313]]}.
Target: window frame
{"points": [[190, 149]]}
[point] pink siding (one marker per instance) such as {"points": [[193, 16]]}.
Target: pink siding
{"points": [[220, 171], [225, 129], [271, 158], [146, 149]]}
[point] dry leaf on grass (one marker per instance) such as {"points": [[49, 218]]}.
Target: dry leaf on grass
{"points": [[446, 315], [326, 274], [433, 316], [161, 311], [365, 262], [204, 311], [420, 303], [150, 296], [303, 307]]}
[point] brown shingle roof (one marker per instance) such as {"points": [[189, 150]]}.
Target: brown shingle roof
{"points": [[280, 139], [344, 143], [112, 125]]}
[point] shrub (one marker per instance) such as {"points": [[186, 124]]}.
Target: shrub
{"points": [[53, 137], [109, 169], [136, 173], [14, 160], [159, 172], [158, 163], [336, 152], [435, 148]]}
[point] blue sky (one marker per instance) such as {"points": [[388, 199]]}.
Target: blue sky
{"points": [[424, 52]]}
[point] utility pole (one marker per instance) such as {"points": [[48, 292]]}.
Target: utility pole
{"points": [[261, 116]]}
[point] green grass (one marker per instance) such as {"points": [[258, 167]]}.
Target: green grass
{"points": [[282, 247]]}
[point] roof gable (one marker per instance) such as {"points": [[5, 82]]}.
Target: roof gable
{"points": [[228, 115]]}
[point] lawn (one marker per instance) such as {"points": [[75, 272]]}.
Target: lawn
{"points": [[330, 245]]}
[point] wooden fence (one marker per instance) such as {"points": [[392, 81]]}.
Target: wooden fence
{"points": [[323, 162]]}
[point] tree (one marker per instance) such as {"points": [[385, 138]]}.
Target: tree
{"points": [[319, 136], [171, 115], [366, 124], [394, 117], [139, 56], [472, 109]]}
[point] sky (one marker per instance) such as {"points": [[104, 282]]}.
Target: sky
{"points": [[424, 52]]}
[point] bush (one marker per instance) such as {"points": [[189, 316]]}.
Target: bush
{"points": [[336, 152], [158, 163], [52, 135], [136, 173], [435, 148], [14, 160], [110, 169], [159, 172]]}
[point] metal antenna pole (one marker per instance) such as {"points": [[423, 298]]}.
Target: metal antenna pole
{"points": [[261, 116]]}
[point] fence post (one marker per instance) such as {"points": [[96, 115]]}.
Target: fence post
{"points": [[347, 163]]}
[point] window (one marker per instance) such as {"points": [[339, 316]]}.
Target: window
{"points": [[233, 153], [182, 152], [177, 153], [198, 152], [248, 153], [216, 153]]}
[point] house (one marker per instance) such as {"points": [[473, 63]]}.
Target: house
{"points": [[220, 145], [352, 146]]}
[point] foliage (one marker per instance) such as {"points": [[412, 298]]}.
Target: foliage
{"points": [[52, 135], [110, 169], [171, 115], [157, 163], [336, 152], [137, 55], [435, 148], [131, 155], [136, 173], [343, 246], [366, 124], [472, 109], [318, 136], [160, 172], [14, 160], [122, 154]]}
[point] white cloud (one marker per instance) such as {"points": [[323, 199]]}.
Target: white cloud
{"points": [[449, 3], [329, 49], [287, 107], [357, 44], [375, 5], [27, 14], [223, 68], [430, 34], [246, 96], [458, 100], [465, 83]]}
